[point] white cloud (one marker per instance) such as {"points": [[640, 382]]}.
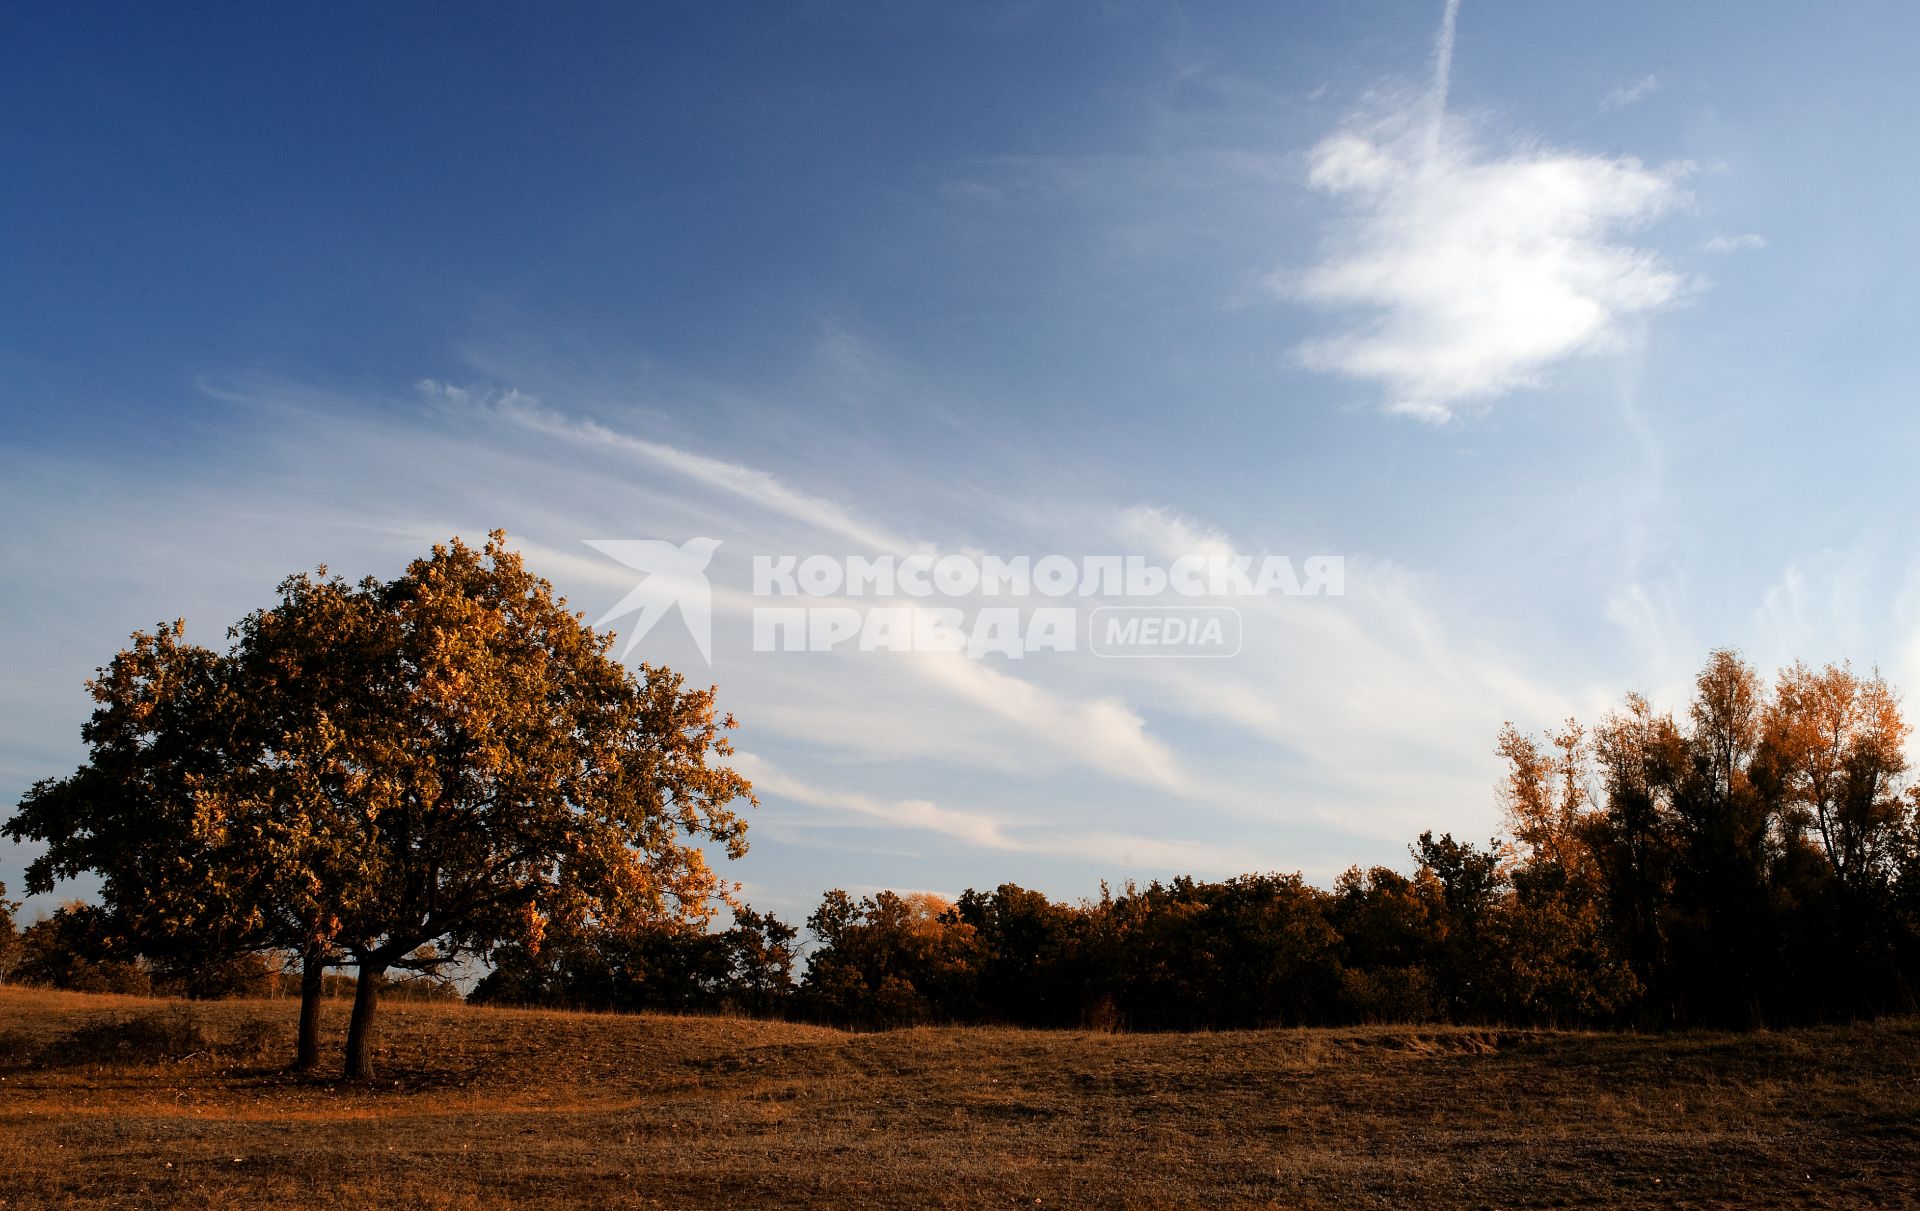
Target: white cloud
{"points": [[1326, 688], [1823, 606], [1184, 855], [1827, 605], [1628, 94], [1750, 242], [1476, 270], [970, 827], [1664, 646], [1170, 535], [1101, 732], [760, 488]]}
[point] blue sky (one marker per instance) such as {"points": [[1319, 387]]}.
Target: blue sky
{"points": [[1582, 333]]}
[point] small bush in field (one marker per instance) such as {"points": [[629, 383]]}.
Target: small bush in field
{"points": [[153, 1038]]}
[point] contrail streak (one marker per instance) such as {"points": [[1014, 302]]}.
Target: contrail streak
{"points": [[1442, 78]]}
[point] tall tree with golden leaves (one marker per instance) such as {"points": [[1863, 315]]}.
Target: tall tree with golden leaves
{"points": [[393, 774], [514, 775], [1547, 794], [1838, 742]]}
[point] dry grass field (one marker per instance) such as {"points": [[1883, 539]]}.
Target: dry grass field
{"points": [[115, 1102]]}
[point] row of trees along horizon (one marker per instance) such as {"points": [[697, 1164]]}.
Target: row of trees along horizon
{"points": [[406, 777]]}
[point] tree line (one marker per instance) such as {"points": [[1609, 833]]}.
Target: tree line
{"points": [[1751, 861], [399, 777]]}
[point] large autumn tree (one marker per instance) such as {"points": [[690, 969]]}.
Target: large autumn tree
{"points": [[390, 774], [519, 777]]}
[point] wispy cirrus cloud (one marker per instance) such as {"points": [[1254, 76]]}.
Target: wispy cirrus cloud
{"points": [[760, 488], [974, 828], [1628, 94], [1472, 271], [991, 832]]}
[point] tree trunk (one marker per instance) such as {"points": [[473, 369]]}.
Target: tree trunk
{"points": [[313, 972], [366, 995]]}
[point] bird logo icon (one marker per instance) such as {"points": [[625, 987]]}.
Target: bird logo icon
{"points": [[674, 576]]}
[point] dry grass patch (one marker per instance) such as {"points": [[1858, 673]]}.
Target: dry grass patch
{"points": [[487, 1108]]}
